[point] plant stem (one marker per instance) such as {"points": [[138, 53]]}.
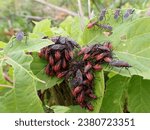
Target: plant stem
{"points": [[57, 8]]}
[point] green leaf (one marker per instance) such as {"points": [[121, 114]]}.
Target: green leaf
{"points": [[38, 67], [73, 27], [115, 94], [43, 28], [33, 44], [131, 44], [2, 80], [139, 95], [2, 44], [68, 109], [23, 97], [98, 91], [91, 36]]}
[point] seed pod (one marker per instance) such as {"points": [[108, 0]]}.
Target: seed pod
{"points": [[47, 69], [67, 56], [51, 60], [76, 90], [57, 55], [86, 56], [89, 106], [108, 59], [80, 97], [64, 64], [97, 67], [57, 66], [61, 74], [89, 76], [87, 67]]}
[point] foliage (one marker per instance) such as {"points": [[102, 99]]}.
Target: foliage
{"points": [[116, 91]]}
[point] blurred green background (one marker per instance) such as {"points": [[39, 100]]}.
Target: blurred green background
{"points": [[18, 15]]}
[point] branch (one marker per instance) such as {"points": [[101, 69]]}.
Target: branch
{"points": [[57, 8], [81, 14], [89, 8]]}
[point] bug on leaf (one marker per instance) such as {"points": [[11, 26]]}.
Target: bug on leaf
{"points": [[120, 64], [102, 14], [128, 13], [19, 37], [91, 24], [106, 27], [117, 13]]}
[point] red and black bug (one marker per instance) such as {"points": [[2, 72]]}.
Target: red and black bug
{"points": [[119, 63], [91, 24]]}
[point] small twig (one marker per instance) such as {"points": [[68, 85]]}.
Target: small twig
{"points": [[35, 18], [57, 8], [7, 86], [89, 8], [7, 78], [81, 14]]}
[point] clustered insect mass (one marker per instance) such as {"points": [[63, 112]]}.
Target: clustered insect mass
{"points": [[66, 59], [77, 65], [58, 56]]}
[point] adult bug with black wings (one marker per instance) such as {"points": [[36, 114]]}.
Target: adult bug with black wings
{"points": [[120, 64]]}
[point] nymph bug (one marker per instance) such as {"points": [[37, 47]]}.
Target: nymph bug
{"points": [[19, 37], [128, 13], [102, 14], [117, 14]]}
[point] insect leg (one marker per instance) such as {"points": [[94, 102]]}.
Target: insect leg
{"points": [[128, 70]]}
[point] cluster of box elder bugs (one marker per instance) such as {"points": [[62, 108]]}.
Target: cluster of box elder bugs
{"points": [[116, 15], [66, 59]]}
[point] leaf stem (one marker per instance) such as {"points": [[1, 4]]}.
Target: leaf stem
{"points": [[7, 86]]}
